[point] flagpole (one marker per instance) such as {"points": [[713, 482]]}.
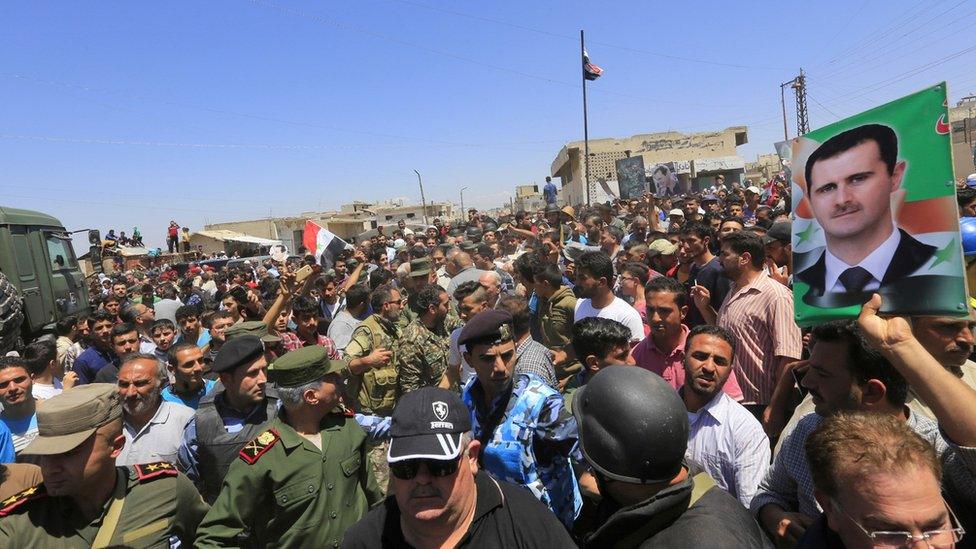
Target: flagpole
{"points": [[586, 131]]}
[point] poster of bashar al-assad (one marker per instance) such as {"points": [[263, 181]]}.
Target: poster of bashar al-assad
{"points": [[878, 214], [665, 180], [630, 177]]}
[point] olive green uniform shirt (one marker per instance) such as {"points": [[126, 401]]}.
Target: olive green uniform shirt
{"points": [[375, 390], [285, 492], [422, 356], [158, 509], [556, 316]]}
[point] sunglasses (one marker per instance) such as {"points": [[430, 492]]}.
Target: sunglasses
{"points": [[406, 470]]}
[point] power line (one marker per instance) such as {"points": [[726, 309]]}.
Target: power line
{"points": [[352, 28], [863, 63], [574, 38]]}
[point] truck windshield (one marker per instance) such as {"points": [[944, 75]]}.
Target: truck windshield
{"points": [[60, 251]]}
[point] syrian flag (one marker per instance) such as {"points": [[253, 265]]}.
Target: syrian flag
{"points": [[320, 241], [590, 71]]}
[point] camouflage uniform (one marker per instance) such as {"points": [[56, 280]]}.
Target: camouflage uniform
{"points": [[422, 356], [375, 390]]}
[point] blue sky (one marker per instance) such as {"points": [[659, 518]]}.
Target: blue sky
{"points": [[119, 114]]}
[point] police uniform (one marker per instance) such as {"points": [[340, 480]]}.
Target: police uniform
{"points": [[151, 505], [283, 489]]}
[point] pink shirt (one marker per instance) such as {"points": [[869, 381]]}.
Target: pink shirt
{"points": [[671, 366]]}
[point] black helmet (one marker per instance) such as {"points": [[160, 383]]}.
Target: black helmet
{"points": [[473, 234], [633, 427]]}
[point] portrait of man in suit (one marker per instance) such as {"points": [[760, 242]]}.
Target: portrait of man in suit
{"points": [[850, 179]]}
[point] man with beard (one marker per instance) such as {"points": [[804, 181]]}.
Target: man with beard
{"points": [[425, 344], [186, 364], [705, 269], [594, 283], [526, 434], [758, 311], [86, 500], [723, 437], [372, 374], [153, 427]]}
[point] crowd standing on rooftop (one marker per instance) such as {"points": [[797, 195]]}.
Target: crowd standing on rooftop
{"points": [[626, 374]]}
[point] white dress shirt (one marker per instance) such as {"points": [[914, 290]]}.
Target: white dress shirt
{"points": [[158, 440], [876, 263], [730, 445]]}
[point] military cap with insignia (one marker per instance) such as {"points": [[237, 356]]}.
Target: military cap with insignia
{"points": [[66, 420], [243, 350], [301, 366], [251, 327], [420, 267], [493, 325]]}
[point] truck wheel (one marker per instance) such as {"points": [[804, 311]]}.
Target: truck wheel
{"points": [[11, 315]]}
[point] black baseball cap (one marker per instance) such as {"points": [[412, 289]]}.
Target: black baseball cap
{"points": [[428, 424], [780, 231]]}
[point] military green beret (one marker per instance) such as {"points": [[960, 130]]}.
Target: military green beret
{"points": [[420, 267], [251, 327], [301, 366]]}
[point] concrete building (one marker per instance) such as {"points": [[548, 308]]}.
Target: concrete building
{"points": [[697, 158], [764, 168], [350, 221], [963, 120], [528, 198]]}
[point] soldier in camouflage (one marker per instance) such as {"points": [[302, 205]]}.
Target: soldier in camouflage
{"points": [[424, 347], [372, 374]]}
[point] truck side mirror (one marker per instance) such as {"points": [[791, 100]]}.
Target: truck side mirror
{"points": [[94, 237], [95, 256]]}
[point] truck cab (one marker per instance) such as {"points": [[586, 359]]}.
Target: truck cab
{"points": [[37, 258]]}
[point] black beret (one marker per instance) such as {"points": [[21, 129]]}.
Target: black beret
{"points": [[240, 351], [491, 324]]}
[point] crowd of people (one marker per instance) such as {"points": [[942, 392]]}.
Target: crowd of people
{"points": [[623, 375]]}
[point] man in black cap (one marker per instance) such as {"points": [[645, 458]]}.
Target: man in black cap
{"points": [[526, 433], [779, 252], [650, 498], [228, 417], [441, 499], [305, 479]]}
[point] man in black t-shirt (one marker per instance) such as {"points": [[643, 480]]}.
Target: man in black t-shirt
{"points": [[706, 270], [439, 498]]}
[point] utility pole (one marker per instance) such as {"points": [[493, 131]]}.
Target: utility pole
{"points": [[799, 85], [586, 131], [422, 199], [462, 202], [802, 118]]}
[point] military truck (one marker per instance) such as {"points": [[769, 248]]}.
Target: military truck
{"points": [[40, 281]]}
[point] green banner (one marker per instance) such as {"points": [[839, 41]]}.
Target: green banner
{"points": [[875, 212]]}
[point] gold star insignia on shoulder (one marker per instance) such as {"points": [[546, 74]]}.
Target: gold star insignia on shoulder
{"points": [[149, 471], [15, 501], [257, 447]]}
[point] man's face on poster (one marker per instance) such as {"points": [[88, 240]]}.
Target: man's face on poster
{"points": [[850, 193], [660, 179]]}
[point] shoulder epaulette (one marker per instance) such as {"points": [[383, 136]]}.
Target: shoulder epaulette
{"points": [[257, 447], [151, 471], [15, 501]]}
